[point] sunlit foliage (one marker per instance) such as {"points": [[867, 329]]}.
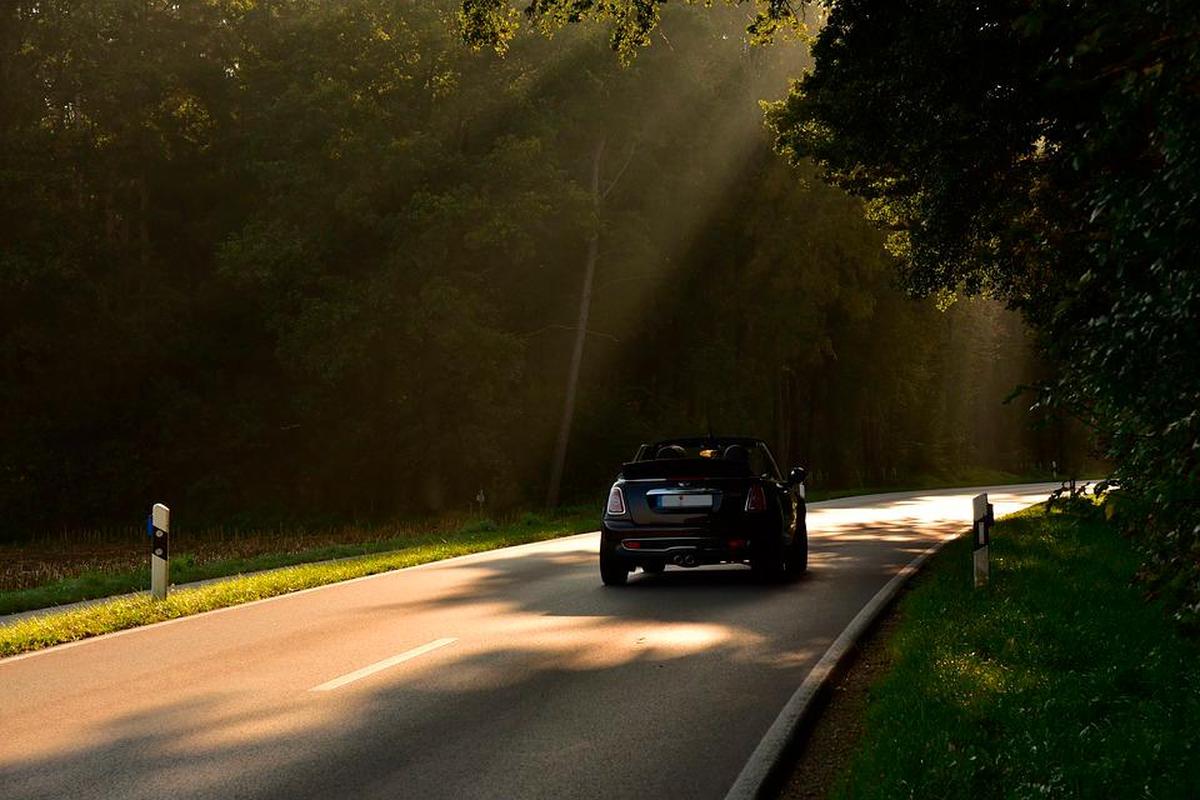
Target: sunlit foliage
{"points": [[632, 23]]}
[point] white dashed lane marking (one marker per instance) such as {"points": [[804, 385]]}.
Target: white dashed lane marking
{"points": [[379, 666]]}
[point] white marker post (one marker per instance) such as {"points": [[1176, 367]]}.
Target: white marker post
{"points": [[982, 531], [160, 550]]}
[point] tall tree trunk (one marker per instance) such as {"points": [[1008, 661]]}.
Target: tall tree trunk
{"points": [[585, 308], [144, 219], [783, 418]]}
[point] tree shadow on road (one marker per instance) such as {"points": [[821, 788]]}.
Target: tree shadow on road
{"points": [[504, 722], [661, 687]]}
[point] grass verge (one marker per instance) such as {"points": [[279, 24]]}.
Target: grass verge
{"points": [[121, 613], [1058, 679], [200, 559]]}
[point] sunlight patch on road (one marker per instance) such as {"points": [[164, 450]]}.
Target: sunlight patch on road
{"points": [[524, 642], [686, 638], [911, 519]]}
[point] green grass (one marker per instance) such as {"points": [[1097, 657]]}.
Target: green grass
{"points": [[1058, 679], [120, 613], [186, 568]]}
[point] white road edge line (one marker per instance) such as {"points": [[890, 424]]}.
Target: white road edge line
{"points": [[379, 666], [766, 757], [482, 555]]}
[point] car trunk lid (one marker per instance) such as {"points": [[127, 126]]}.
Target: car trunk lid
{"points": [[684, 492]]}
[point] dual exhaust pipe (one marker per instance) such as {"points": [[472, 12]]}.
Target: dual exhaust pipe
{"points": [[685, 560]]}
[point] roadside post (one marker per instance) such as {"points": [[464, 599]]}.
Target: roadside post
{"points": [[984, 517], [160, 550]]}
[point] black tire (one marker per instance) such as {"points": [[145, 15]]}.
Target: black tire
{"points": [[613, 570], [769, 564], [654, 568], [797, 559]]}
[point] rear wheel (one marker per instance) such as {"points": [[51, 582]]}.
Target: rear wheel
{"points": [[613, 569], [797, 557], [768, 563]]}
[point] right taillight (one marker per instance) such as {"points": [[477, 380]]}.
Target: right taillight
{"points": [[756, 499], [616, 502]]}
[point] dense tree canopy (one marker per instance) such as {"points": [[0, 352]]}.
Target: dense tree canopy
{"points": [[1050, 155], [300, 258]]}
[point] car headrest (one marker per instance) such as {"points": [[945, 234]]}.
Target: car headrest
{"points": [[736, 453]]}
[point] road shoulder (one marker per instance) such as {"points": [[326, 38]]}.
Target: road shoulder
{"points": [[1000, 690], [826, 744]]}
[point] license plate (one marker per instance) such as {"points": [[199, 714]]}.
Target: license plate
{"points": [[686, 501]]}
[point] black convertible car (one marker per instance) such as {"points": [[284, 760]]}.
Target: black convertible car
{"points": [[704, 501]]}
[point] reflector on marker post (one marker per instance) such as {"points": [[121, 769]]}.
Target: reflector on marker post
{"points": [[160, 550], [984, 516]]}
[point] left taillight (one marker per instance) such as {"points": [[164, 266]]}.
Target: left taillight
{"points": [[616, 502], [756, 499]]}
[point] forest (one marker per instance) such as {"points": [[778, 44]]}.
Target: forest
{"points": [[1045, 155], [302, 260]]}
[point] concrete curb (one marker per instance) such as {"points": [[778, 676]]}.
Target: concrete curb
{"points": [[765, 761]]}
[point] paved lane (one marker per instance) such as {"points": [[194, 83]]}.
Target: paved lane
{"points": [[504, 674]]}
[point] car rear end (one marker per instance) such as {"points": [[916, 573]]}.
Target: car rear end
{"points": [[687, 512]]}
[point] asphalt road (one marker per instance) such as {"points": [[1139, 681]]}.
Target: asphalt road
{"points": [[508, 674]]}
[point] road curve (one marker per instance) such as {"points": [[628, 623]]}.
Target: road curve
{"points": [[507, 674]]}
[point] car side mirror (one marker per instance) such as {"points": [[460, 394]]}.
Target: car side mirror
{"points": [[797, 475]]}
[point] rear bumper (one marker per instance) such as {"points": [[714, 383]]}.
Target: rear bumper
{"points": [[683, 551], [685, 546]]}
